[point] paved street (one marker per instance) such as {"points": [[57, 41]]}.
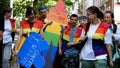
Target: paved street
{"points": [[14, 65]]}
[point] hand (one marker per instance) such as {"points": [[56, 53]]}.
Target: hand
{"points": [[113, 36], [69, 44], [82, 39], [49, 22], [15, 52], [111, 64], [60, 52]]}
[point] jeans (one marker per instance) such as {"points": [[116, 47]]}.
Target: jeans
{"points": [[6, 55]]}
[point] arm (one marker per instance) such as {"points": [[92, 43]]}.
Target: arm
{"points": [[60, 45], [18, 41], [108, 42], [46, 24], [42, 33], [116, 36], [108, 47]]}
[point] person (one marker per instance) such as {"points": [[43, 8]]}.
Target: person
{"points": [[70, 36], [109, 19], [1, 37], [43, 14], [9, 30], [97, 47], [29, 25]]}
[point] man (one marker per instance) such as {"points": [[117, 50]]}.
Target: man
{"points": [[43, 14], [70, 36], [1, 36], [9, 27]]}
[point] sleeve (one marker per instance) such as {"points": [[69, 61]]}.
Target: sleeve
{"points": [[117, 35], [108, 37]]}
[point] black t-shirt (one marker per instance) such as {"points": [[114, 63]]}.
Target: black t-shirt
{"points": [[1, 26], [1, 22]]}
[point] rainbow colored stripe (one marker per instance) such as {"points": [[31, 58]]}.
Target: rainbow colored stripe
{"points": [[76, 35]]}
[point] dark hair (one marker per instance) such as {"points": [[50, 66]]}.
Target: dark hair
{"points": [[111, 14], [74, 15], [94, 9], [42, 8], [7, 10], [29, 11], [113, 22]]}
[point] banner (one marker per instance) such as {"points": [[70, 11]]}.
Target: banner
{"points": [[33, 51], [58, 15]]}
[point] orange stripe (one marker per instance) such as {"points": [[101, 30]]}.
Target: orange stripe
{"points": [[100, 30]]}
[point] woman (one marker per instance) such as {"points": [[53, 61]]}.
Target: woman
{"points": [[31, 24], [97, 47], [109, 19]]}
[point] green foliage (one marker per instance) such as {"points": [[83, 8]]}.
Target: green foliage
{"points": [[20, 6], [3, 4]]}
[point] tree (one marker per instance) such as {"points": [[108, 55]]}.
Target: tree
{"points": [[19, 6], [3, 4]]}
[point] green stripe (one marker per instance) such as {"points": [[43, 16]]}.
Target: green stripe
{"points": [[51, 37]]}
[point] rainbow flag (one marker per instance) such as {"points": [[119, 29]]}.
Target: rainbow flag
{"points": [[59, 17]]}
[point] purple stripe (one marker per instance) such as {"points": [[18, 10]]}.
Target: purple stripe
{"points": [[100, 52]]}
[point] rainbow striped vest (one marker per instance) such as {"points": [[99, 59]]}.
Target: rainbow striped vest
{"points": [[66, 36], [36, 26], [12, 21], [98, 39]]}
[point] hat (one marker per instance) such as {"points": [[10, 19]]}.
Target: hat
{"points": [[41, 8]]}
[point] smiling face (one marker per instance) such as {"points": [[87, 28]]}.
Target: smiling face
{"points": [[90, 15], [73, 21], [32, 15], [8, 15], [108, 18]]}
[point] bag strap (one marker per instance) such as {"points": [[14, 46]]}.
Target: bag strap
{"points": [[87, 27], [114, 28]]}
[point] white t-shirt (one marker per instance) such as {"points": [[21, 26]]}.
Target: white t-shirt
{"points": [[87, 52], [7, 33]]}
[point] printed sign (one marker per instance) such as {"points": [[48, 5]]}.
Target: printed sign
{"points": [[33, 51]]}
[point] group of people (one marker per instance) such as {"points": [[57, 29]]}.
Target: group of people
{"points": [[100, 34], [8, 30]]}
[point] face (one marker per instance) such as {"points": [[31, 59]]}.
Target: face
{"points": [[32, 15], [73, 21], [43, 13], [91, 16], [108, 18], [8, 15]]}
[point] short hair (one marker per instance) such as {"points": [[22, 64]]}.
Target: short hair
{"points": [[7, 10], [29, 11], [42, 8], [74, 15]]}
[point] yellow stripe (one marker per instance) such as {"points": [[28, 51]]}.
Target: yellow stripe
{"points": [[54, 28], [20, 43], [66, 37], [25, 31], [35, 30], [75, 40], [98, 36]]}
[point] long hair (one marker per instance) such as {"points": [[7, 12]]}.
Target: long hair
{"points": [[113, 22], [94, 9]]}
